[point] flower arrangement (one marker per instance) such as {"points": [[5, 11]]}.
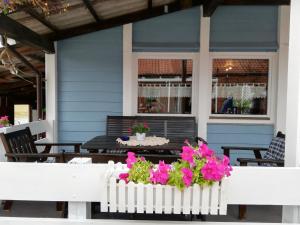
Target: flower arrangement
{"points": [[140, 128], [4, 121], [198, 165]]}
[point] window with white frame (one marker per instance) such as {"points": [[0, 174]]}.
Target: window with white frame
{"points": [[165, 86], [240, 86]]}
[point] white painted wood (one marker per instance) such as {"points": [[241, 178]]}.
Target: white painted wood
{"points": [[283, 51], [149, 199], [187, 200], [131, 197], [196, 200], [140, 198], [204, 82], [122, 197], [168, 200], [214, 198], [224, 192], [51, 95], [57, 221], [158, 199], [205, 200], [112, 195], [127, 70], [177, 201]]}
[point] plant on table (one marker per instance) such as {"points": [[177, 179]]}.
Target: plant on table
{"points": [[4, 121], [140, 130], [197, 165]]}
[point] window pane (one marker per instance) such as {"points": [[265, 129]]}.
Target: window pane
{"points": [[165, 86], [240, 86], [21, 114]]}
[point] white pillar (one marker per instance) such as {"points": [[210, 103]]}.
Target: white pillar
{"points": [[283, 40], [127, 70], [51, 94], [292, 149], [204, 78]]}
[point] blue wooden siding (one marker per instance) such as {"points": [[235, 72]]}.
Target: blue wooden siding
{"points": [[89, 84], [244, 28], [175, 32], [239, 135]]}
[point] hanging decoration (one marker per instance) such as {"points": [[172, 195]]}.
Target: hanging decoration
{"points": [[46, 6]]}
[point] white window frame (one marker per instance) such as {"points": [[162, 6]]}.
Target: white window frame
{"points": [[272, 88], [165, 55]]}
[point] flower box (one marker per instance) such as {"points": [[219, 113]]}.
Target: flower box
{"points": [[158, 199]]}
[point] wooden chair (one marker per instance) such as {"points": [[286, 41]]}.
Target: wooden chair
{"points": [[270, 158], [20, 147]]}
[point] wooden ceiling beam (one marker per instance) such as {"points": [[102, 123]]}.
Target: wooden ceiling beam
{"points": [[150, 4], [34, 14], [24, 35], [209, 7], [118, 21], [90, 7]]}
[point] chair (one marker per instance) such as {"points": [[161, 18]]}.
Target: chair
{"points": [[20, 147], [273, 156]]}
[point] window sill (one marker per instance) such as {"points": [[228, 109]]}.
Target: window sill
{"points": [[235, 119], [240, 117]]}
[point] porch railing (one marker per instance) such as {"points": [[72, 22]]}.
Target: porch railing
{"points": [[80, 184]]}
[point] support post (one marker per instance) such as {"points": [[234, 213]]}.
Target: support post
{"points": [[283, 52], [79, 210], [39, 96], [51, 96], [127, 70], [204, 77], [292, 147]]}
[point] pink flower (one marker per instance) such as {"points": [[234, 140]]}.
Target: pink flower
{"points": [[186, 141], [131, 159], [215, 170], [129, 130], [4, 118], [205, 151], [143, 159], [226, 164], [161, 174], [188, 154], [124, 176], [146, 125], [1, 126], [187, 176]]}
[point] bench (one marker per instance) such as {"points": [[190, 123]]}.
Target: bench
{"points": [[164, 126]]}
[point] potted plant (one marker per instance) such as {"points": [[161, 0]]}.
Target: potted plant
{"points": [[4, 122], [140, 130]]}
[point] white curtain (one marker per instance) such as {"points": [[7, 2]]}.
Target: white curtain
{"points": [[157, 91]]}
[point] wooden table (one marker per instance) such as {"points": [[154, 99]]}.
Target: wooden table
{"points": [[105, 143]]}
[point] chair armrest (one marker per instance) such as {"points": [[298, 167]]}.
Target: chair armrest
{"points": [[49, 145], [58, 156], [245, 161], [256, 150]]}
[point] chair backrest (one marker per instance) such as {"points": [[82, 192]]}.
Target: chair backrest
{"points": [[20, 141], [166, 126], [276, 148]]}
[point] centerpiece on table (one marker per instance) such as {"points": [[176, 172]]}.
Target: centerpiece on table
{"points": [[4, 121], [140, 130]]}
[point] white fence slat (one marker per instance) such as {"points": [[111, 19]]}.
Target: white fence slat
{"points": [[187, 201], [168, 199], [122, 197], [158, 199], [223, 197], [196, 199], [131, 198], [177, 201], [112, 195], [104, 200], [140, 198], [205, 200], [149, 198], [214, 200]]}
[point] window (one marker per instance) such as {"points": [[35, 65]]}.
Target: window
{"points": [[21, 114], [240, 86], [165, 86]]}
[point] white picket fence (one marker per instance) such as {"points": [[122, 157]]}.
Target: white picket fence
{"points": [[158, 199], [80, 184]]}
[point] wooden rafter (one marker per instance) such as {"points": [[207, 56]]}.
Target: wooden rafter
{"points": [[150, 4], [90, 7], [256, 2], [24, 35], [118, 21], [30, 11]]}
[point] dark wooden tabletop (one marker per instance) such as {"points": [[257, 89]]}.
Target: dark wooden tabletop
{"points": [[109, 143]]}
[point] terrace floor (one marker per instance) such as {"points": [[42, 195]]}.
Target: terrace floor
{"points": [[271, 214]]}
